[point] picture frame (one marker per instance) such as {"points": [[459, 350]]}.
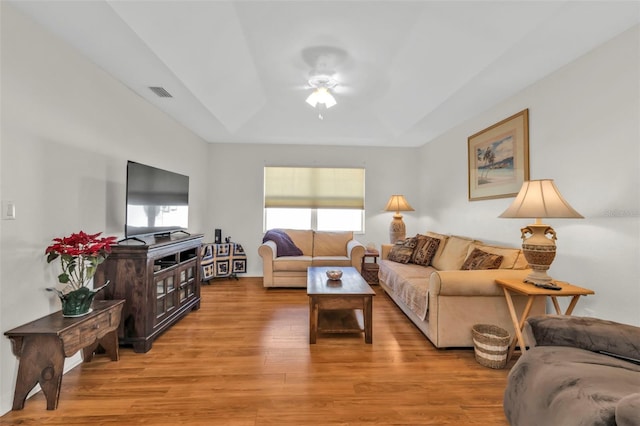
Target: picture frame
{"points": [[498, 158]]}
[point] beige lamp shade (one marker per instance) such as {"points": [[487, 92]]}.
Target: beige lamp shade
{"points": [[539, 199], [397, 229], [397, 203]]}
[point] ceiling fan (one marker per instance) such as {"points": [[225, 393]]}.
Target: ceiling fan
{"points": [[321, 95], [323, 78]]}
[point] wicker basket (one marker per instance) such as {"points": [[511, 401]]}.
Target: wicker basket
{"points": [[491, 345], [370, 273]]}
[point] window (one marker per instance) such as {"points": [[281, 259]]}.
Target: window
{"points": [[324, 199]]}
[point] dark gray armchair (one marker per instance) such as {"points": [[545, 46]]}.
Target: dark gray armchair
{"points": [[579, 371]]}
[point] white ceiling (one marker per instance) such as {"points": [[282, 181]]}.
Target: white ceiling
{"points": [[408, 70]]}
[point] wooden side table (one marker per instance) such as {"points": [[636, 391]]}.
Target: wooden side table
{"points": [[369, 270], [43, 344], [532, 292]]}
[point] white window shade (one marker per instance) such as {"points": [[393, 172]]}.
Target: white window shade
{"points": [[313, 187]]}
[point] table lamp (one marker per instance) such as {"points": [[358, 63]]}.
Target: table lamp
{"points": [[397, 229], [539, 199]]}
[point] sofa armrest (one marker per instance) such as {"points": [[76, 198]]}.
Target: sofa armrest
{"points": [[592, 334], [268, 250], [355, 252], [628, 410], [472, 283], [384, 250]]}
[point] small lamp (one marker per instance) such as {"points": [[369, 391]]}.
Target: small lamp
{"points": [[397, 229], [539, 199]]}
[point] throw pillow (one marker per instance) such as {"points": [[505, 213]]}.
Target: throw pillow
{"points": [[402, 250], [510, 255], [284, 243], [479, 259], [425, 250]]}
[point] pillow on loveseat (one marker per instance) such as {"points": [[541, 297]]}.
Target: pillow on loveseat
{"points": [[331, 243]]}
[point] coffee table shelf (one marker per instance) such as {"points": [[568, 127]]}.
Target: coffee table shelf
{"points": [[334, 305]]}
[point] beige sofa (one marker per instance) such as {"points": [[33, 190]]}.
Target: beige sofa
{"points": [[318, 249], [443, 301]]}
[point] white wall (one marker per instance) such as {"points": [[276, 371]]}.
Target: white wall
{"points": [[584, 133], [67, 132], [236, 193]]}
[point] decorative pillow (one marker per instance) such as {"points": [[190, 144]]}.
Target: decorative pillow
{"points": [[284, 243], [479, 259], [426, 248], [454, 253], [402, 250], [510, 255]]}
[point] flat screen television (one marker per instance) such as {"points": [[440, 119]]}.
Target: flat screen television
{"points": [[157, 201]]}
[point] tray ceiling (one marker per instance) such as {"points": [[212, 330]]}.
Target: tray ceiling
{"points": [[408, 71]]}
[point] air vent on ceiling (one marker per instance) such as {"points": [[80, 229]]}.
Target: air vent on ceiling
{"points": [[161, 92]]}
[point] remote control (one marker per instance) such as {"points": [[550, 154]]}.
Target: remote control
{"points": [[549, 286]]}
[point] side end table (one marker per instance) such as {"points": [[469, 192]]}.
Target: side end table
{"points": [[533, 292], [369, 270]]}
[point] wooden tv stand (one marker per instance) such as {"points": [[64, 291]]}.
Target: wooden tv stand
{"points": [[159, 278]]}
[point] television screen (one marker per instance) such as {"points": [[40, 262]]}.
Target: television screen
{"points": [[157, 201]]}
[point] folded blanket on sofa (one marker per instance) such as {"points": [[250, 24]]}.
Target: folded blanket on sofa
{"points": [[284, 243]]}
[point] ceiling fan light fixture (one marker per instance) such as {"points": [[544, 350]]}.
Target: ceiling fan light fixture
{"points": [[321, 95], [326, 98]]}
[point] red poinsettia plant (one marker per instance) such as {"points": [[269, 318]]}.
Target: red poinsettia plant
{"points": [[80, 254]]}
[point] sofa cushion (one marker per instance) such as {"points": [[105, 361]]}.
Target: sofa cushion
{"points": [[331, 243], [402, 250], [331, 261], [443, 240], [409, 282], [509, 255], [521, 262], [303, 239], [479, 259], [291, 263], [454, 253], [284, 244], [425, 250]]}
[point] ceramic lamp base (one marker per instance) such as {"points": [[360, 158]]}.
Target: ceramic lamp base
{"points": [[397, 229], [540, 251]]}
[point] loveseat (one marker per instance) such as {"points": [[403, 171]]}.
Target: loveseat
{"points": [[316, 248], [428, 283], [578, 371]]}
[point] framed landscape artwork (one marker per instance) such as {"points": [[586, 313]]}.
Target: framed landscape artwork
{"points": [[499, 158]]}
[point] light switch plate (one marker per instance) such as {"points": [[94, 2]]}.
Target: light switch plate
{"points": [[8, 210]]}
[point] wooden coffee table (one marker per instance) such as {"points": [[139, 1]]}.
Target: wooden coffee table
{"points": [[332, 303]]}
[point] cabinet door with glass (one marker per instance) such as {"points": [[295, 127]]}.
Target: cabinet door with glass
{"points": [[187, 281], [165, 285]]}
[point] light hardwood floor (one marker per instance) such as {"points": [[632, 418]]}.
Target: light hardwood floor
{"points": [[244, 359]]}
